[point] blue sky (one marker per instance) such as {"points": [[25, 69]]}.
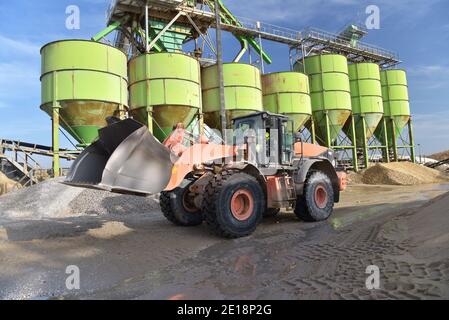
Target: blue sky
{"points": [[418, 30]]}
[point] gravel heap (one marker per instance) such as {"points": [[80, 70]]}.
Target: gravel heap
{"points": [[52, 199], [398, 173]]}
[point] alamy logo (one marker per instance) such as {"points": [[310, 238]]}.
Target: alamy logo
{"points": [[73, 280], [373, 280], [73, 21], [373, 20]]}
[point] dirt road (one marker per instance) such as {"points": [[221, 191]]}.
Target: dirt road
{"points": [[402, 230]]}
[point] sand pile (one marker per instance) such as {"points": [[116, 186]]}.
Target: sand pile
{"points": [[398, 173], [8, 185], [52, 199]]}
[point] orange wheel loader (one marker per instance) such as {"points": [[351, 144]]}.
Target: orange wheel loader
{"points": [[231, 186]]}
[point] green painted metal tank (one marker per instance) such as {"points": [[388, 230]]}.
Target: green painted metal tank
{"points": [[87, 81], [167, 86], [396, 102], [366, 94], [243, 92], [288, 93], [330, 92]]}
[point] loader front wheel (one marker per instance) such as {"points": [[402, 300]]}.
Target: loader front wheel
{"points": [[178, 208], [233, 205], [317, 202]]}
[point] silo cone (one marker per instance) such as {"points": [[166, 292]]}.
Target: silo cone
{"points": [[397, 109], [164, 90], [367, 103]]}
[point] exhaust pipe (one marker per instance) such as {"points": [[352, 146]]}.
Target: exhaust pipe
{"points": [[126, 158]]}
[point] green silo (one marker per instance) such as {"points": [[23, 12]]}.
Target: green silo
{"points": [[288, 93], [165, 89], [83, 82], [396, 109], [330, 94], [366, 95], [243, 92], [396, 101]]}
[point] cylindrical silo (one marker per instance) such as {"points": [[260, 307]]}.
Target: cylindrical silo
{"points": [[330, 94], [396, 103], [288, 93], [243, 92], [165, 89], [86, 82], [366, 94]]}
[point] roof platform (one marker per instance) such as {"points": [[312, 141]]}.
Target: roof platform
{"points": [[200, 12], [319, 41]]}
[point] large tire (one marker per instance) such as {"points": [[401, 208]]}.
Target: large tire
{"points": [[317, 202], [233, 205], [176, 210]]}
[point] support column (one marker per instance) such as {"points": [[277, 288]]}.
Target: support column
{"points": [[395, 142], [328, 133], [365, 142], [55, 127], [55, 140], [412, 141], [386, 146], [220, 67], [312, 129], [354, 147]]}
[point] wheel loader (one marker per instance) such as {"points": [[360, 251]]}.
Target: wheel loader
{"points": [[260, 168]]}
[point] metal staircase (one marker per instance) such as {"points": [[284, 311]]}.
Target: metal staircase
{"points": [[17, 160]]}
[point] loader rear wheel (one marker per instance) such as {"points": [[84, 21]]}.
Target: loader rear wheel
{"points": [[178, 208], [233, 205], [317, 202]]}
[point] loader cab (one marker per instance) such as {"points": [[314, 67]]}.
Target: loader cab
{"points": [[269, 137]]}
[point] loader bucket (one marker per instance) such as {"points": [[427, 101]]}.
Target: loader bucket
{"points": [[126, 158]]}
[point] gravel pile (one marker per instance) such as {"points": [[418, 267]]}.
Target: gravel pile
{"points": [[398, 173], [52, 199], [99, 202]]}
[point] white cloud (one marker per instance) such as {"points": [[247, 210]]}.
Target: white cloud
{"points": [[432, 131], [8, 46], [19, 85], [430, 76], [306, 12]]}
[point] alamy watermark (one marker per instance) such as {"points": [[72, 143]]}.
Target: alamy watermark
{"points": [[73, 20], [373, 20], [373, 280], [74, 279]]}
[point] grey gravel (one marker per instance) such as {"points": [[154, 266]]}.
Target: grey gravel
{"points": [[53, 199]]}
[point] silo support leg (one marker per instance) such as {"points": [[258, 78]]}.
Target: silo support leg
{"points": [[328, 129], [395, 142], [55, 141], [354, 147], [312, 131], [150, 119], [365, 143], [386, 147], [412, 141]]}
